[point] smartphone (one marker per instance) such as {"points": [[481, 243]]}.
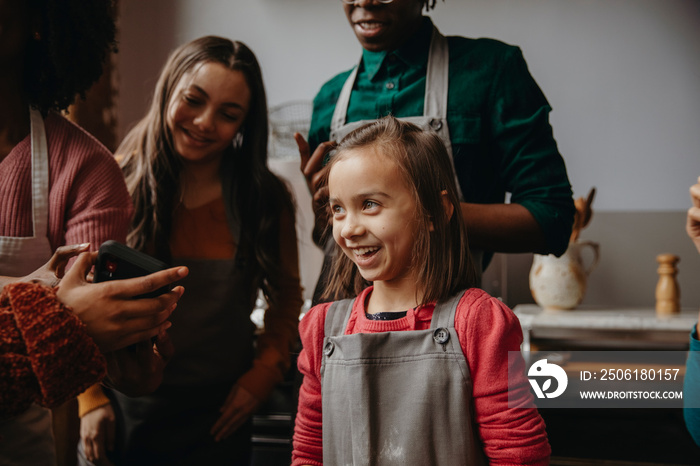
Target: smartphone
{"points": [[116, 261]]}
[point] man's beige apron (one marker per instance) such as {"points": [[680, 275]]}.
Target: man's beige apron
{"points": [[397, 398], [27, 439], [434, 119], [434, 116]]}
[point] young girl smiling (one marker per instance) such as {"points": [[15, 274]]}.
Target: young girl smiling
{"points": [[415, 369]]}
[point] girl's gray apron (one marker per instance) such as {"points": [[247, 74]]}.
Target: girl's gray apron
{"points": [[397, 398], [434, 119], [213, 338], [27, 439]]}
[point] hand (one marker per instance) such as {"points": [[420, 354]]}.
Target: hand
{"points": [[138, 369], [237, 408], [50, 274], [97, 434], [112, 317], [316, 176], [693, 224]]}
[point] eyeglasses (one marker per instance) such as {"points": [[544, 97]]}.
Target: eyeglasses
{"points": [[352, 2]]}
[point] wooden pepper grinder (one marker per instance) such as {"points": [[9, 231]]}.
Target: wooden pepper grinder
{"points": [[668, 294]]}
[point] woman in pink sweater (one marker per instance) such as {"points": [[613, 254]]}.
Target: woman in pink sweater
{"points": [[58, 185]]}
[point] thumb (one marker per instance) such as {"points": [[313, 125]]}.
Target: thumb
{"points": [[63, 254], [76, 275], [304, 153], [301, 142]]}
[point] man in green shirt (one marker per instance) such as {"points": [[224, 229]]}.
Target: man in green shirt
{"points": [[479, 96]]}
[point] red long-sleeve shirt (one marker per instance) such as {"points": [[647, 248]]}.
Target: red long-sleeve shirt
{"points": [[487, 331]]}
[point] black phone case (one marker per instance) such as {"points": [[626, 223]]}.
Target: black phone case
{"points": [[116, 261]]}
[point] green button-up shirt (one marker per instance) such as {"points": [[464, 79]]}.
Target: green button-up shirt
{"points": [[497, 116]]}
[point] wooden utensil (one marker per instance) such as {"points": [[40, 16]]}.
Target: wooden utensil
{"points": [[583, 214]]}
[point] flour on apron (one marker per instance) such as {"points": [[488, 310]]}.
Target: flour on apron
{"points": [[397, 398]]}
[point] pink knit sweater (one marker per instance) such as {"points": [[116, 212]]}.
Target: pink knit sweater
{"points": [[88, 200]]}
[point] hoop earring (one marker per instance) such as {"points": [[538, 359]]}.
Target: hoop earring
{"points": [[238, 139]]}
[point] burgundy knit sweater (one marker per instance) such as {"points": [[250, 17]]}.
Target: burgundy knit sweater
{"points": [[46, 356], [88, 200]]}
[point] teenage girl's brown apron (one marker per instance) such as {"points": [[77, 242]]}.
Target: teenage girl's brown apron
{"points": [[397, 398], [213, 338], [27, 439]]}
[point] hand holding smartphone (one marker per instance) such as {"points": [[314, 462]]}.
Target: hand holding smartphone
{"points": [[116, 261]]}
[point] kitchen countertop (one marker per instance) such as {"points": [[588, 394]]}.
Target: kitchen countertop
{"points": [[609, 327]]}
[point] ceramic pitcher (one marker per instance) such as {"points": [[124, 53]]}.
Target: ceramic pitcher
{"points": [[560, 282]]}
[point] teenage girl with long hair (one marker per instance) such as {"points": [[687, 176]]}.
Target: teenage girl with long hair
{"points": [[414, 370], [196, 169]]}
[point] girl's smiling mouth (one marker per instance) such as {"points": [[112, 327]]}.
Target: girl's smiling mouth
{"points": [[365, 251]]}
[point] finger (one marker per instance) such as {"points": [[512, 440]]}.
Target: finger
{"points": [[144, 312], [139, 329], [320, 198], [131, 287], [694, 213], [695, 194], [81, 267], [99, 446], [90, 452], [223, 426], [319, 180], [218, 425], [693, 223], [315, 163], [110, 434], [164, 346], [230, 426], [230, 397], [303, 150], [132, 338], [63, 254]]}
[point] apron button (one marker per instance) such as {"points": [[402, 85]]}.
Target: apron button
{"points": [[441, 335], [328, 348], [436, 124]]}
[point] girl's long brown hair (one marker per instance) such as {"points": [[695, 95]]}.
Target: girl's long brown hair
{"points": [[441, 254], [253, 195]]}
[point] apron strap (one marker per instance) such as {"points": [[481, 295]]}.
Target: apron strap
{"points": [[445, 311], [40, 175], [337, 317], [437, 77], [436, 84], [341, 106]]}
